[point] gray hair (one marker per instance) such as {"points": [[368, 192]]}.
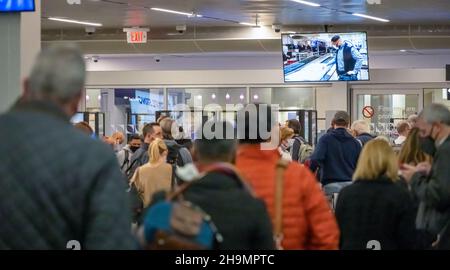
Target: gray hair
{"points": [[436, 113], [412, 119], [361, 126], [59, 72]]}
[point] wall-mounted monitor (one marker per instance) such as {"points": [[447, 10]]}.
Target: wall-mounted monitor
{"points": [[325, 57], [17, 5]]}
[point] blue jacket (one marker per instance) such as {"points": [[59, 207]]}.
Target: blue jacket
{"points": [[337, 154]]}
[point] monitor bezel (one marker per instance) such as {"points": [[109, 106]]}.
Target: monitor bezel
{"points": [[20, 11], [324, 32]]}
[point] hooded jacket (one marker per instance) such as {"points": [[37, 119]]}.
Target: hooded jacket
{"points": [[337, 154]]}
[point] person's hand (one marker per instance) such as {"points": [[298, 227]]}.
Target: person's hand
{"points": [[351, 72], [424, 167], [408, 171]]}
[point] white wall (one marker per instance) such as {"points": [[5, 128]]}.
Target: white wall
{"points": [[251, 61]]}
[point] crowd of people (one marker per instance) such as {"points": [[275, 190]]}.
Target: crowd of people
{"points": [[350, 190]]}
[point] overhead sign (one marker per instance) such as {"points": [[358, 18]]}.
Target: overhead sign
{"points": [[136, 35], [368, 111]]}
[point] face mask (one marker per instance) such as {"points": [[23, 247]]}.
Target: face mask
{"points": [[134, 148], [428, 144]]}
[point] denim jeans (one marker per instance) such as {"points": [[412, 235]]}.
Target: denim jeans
{"points": [[346, 77], [335, 187], [332, 192]]}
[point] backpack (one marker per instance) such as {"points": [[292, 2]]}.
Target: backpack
{"points": [[174, 159], [177, 224], [136, 163], [126, 161], [305, 150]]}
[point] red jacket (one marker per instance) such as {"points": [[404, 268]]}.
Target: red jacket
{"points": [[308, 222]]}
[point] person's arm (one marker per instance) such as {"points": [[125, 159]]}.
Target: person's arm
{"points": [[263, 237], [359, 59], [296, 149], [435, 191], [318, 157], [323, 229], [121, 157], [108, 216]]}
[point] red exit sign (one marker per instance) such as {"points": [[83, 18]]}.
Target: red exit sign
{"points": [[137, 36]]}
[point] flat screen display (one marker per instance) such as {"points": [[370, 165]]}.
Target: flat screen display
{"points": [[325, 57], [146, 102], [16, 5]]}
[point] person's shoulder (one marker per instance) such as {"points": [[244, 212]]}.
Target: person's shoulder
{"points": [[445, 147], [325, 137]]}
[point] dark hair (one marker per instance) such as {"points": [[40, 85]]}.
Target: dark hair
{"points": [[295, 125], [148, 128], [135, 137], [335, 38], [215, 149], [251, 131]]}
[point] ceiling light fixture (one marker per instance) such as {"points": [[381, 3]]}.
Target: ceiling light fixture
{"points": [[403, 50], [248, 24], [75, 21], [307, 3], [370, 17], [177, 12]]}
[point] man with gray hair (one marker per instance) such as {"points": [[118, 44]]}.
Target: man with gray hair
{"points": [[361, 131], [431, 183], [59, 188]]}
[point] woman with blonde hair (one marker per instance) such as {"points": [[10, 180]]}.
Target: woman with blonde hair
{"points": [[374, 208], [154, 176], [411, 152]]}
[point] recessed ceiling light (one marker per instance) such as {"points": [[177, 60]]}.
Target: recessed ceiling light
{"points": [[307, 3], [75, 21], [403, 50], [370, 17]]}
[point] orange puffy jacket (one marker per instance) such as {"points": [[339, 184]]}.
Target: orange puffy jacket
{"points": [[308, 222]]}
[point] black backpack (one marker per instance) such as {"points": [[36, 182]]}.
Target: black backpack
{"points": [[126, 160], [174, 159]]}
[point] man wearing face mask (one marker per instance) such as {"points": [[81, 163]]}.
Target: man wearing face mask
{"points": [[124, 156], [431, 183], [150, 132], [348, 59]]}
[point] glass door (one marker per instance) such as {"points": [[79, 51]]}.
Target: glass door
{"points": [[383, 109]]}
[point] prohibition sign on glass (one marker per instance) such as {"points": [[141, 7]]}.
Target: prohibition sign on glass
{"points": [[368, 112]]}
